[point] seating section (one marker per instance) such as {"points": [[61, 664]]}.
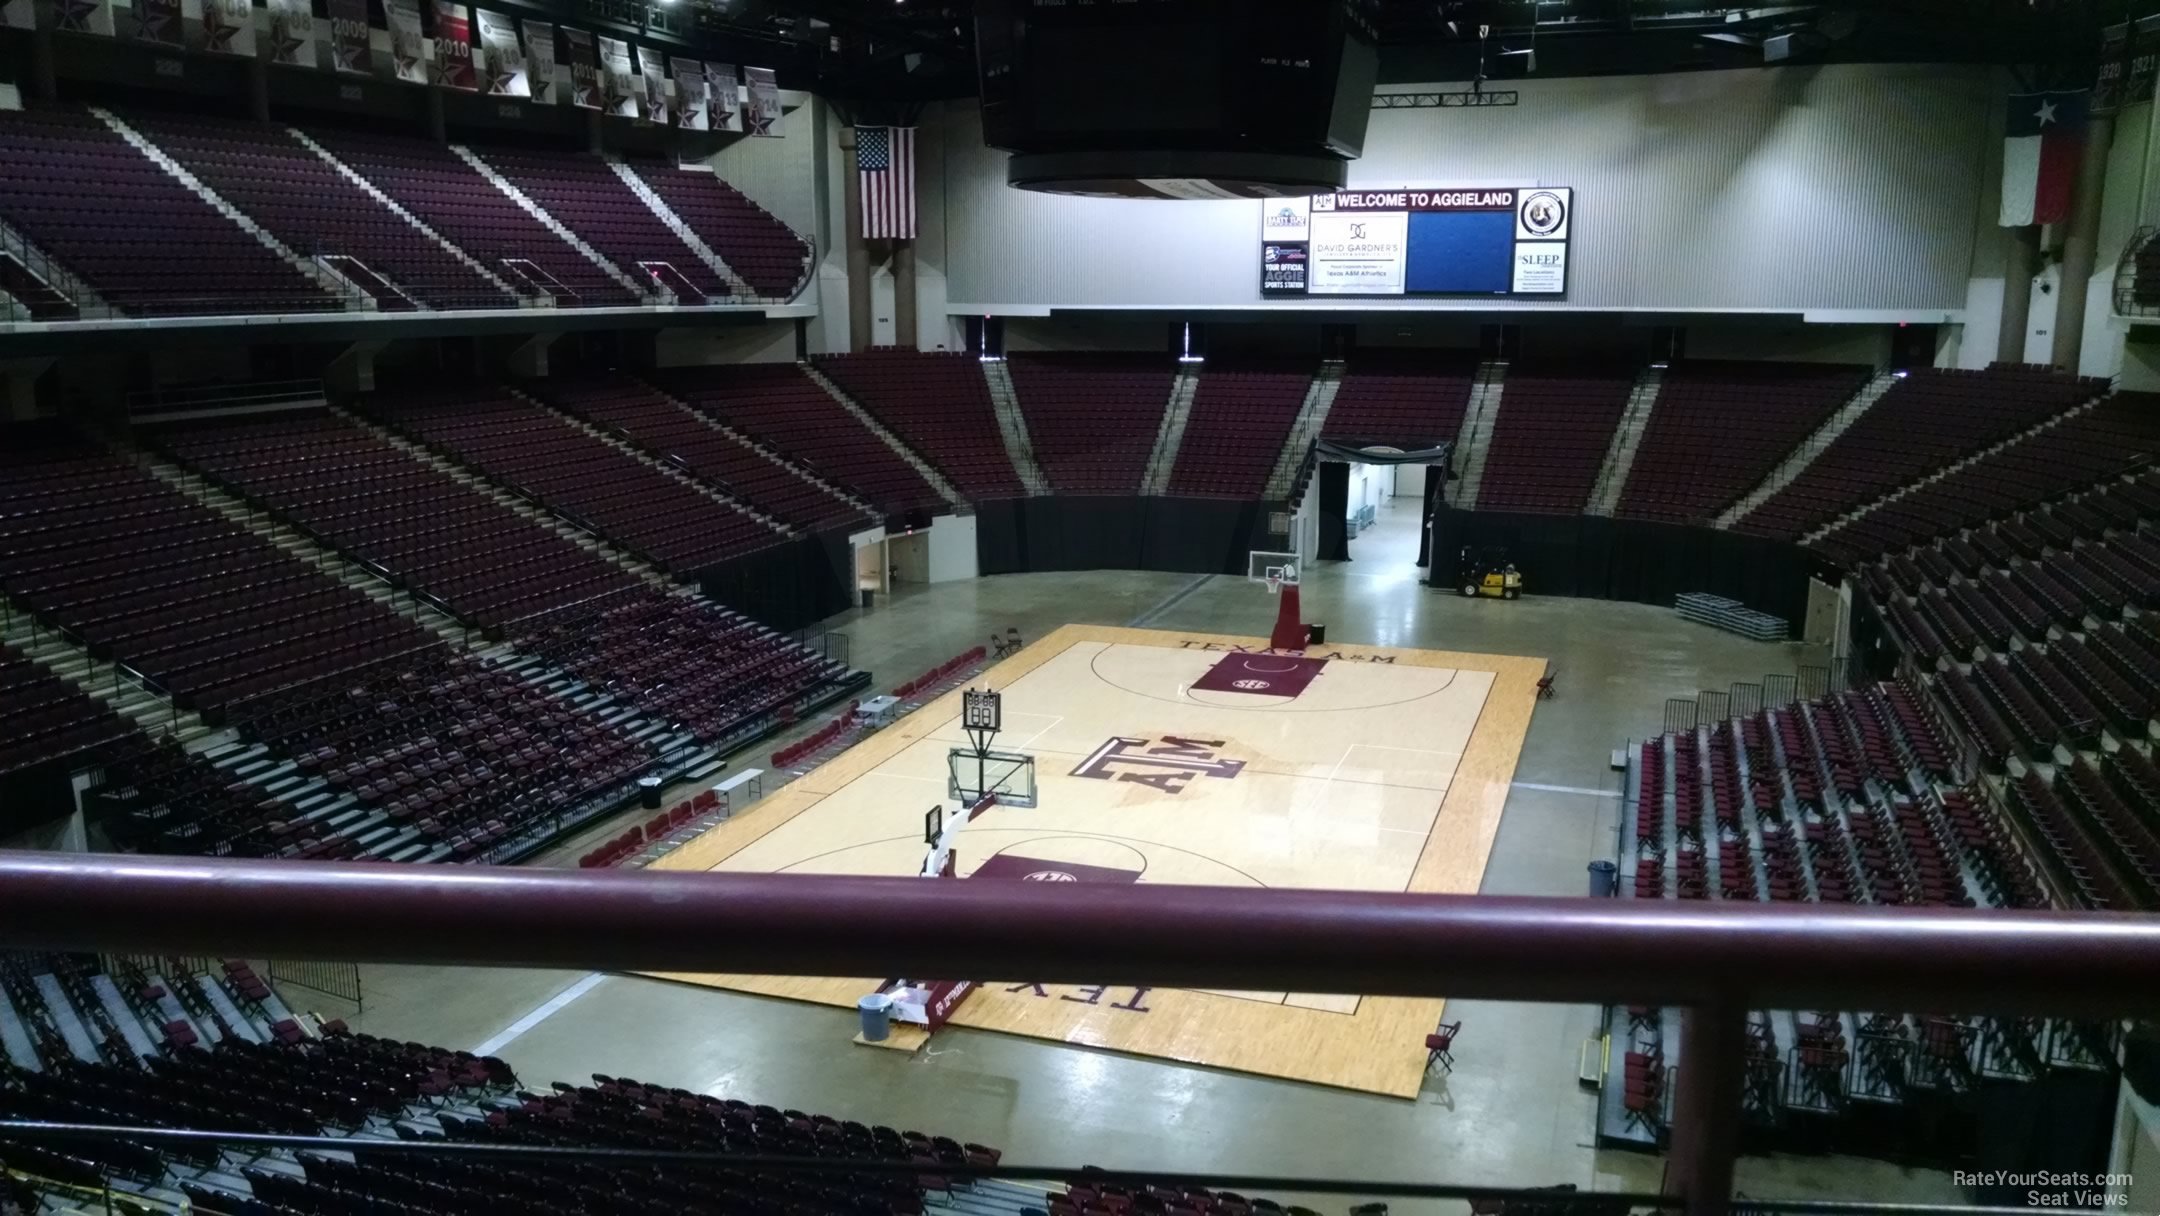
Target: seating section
{"points": [[1241, 418], [574, 474], [318, 212], [2094, 447], [2039, 626], [438, 758], [1847, 798], [1405, 399], [778, 405], [43, 719], [646, 417], [125, 1044], [145, 243], [939, 405], [687, 660], [587, 198], [1093, 419], [451, 197], [1551, 436], [1719, 428], [137, 573], [766, 253], [481, 561], [1933, 418]]}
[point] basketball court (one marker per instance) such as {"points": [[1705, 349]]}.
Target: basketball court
{"points": [[1178, 758]]}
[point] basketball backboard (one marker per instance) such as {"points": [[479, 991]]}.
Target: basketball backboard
{"points": [[1276, 570], [971, 774]]}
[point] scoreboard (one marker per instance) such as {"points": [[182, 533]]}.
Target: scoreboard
{"points": [[1414, 242]]}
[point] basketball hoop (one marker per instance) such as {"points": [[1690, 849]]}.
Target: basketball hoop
{"points": [[1274, 584]]}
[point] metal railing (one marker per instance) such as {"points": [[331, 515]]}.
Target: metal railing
{"points": [[1713, 961], [189, 399], [2125, 284], [340, 980]]}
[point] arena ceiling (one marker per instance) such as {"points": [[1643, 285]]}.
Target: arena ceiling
{"points": [[879, 54]]}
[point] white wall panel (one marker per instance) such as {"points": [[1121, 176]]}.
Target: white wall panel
{"points": [[780, 175], [1842, 187]]}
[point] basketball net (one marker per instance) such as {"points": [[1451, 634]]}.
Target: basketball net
{"points": [[1289, 626]]}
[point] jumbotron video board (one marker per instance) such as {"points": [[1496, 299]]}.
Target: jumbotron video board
{"points": [[1434, 241]]}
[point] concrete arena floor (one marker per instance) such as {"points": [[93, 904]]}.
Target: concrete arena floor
{"points": [[1511, 1114]]}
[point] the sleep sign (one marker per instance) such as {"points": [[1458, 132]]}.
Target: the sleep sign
{"points": [[1540, 267]]}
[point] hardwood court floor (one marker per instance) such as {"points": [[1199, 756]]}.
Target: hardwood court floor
{"points": [[1386, 772]]}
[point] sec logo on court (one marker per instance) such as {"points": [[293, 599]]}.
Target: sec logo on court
{"points": [[1251, 685]]}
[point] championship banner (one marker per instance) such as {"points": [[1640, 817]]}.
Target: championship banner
{"points": [[502, 60], [2127, 68], [540, 54], [408, 47], [349, 49], [654, 67], [690, 110], [292, 33], [723, 94], [18, 14], [83, 17], [585, 87], [453, 47], [618, 81], [763, 112], [228, 26], [156, 21]]}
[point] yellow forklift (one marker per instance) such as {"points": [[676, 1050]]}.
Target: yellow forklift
{"points": [[1489, 573]]}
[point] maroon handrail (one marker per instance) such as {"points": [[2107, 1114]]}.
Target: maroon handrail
{"points": [[1616, 951], [1715, 959]]}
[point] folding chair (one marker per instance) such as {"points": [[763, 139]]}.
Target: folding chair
{"points": [[1439, 1043]]}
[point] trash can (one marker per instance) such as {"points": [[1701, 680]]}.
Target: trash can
{"points": [[1604, 879], [649, 793], [869, 598], [876, 1012], [1316, 635]]}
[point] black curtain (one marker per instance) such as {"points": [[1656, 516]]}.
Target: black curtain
{"points": [[1597, 557], [790, 585], [1334, 506], [37, 795], [2058, 1123], [1135, 532], [1435, 483]]}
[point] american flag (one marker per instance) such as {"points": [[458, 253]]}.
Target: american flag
{"points": [[885, 157]]}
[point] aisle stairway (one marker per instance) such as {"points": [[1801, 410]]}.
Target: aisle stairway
{"points": [[1172, 433], [1626, 441], [1804, 455], [1012, 427], [1477, 432], [331, 283], [853, 407], [1311, 421], [534, 209]]}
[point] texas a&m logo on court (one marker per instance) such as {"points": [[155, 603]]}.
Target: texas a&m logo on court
{"points": [[1168, 764]]}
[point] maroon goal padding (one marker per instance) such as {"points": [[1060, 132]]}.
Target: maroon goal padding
{"points": [[1261, 675]]}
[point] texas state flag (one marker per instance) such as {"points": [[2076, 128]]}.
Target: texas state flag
{"points": [[2044, 136]]}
